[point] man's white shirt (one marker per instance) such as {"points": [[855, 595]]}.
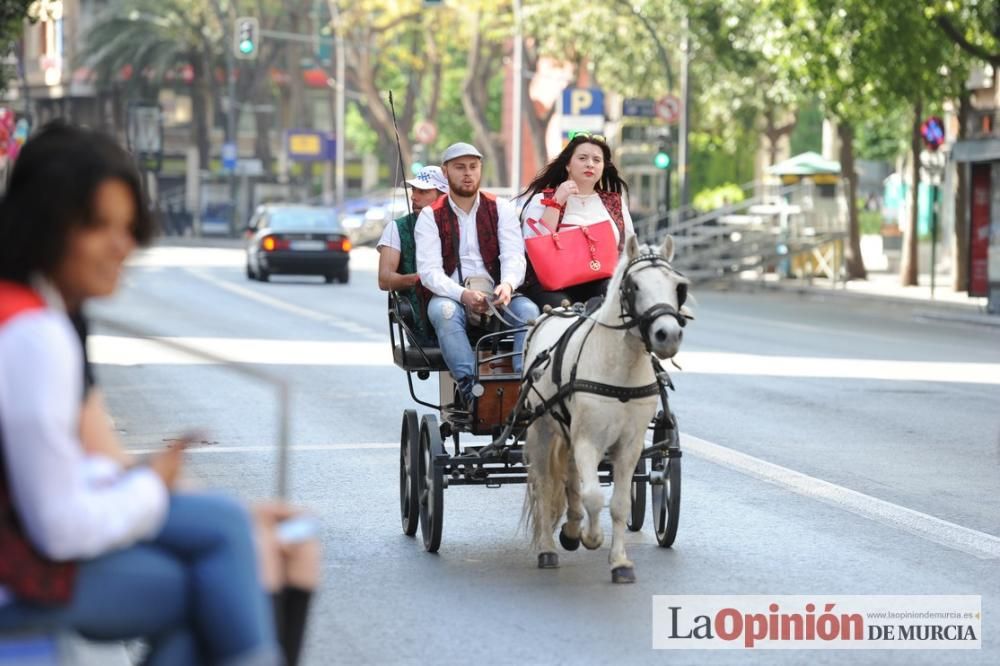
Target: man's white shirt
{"points": [[430, 264]]}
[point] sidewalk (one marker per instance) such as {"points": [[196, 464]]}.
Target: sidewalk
{"points": [[884, 289]]}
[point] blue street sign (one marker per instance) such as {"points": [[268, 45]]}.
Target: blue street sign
{"points": [[639, 108], [583, 102], [229, 156], [309, 145]]}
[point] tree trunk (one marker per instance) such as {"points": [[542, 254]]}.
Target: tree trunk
{"points": [[537, 125], [474, 98], [200, 123], [960, 247], [377, 112], [909, 264], [853, 259]]}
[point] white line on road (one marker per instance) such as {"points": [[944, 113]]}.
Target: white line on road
{"points": [[355, 446], [980, 544], [925, 526], [278, 304]]}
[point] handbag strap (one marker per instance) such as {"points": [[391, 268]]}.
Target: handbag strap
{"points": [[531, 224]]}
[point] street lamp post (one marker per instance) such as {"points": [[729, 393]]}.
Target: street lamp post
{"points": [[516, 120]]}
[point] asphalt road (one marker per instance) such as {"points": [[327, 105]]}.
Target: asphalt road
{"points": [[831, 448]]}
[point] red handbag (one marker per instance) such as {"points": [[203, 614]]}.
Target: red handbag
{"points": [[572, 255]]}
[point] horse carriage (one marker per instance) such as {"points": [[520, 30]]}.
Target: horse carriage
{"points": [[509, 408]]}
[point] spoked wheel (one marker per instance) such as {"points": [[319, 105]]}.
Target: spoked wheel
{"points": [[431, 484], [665, 484], [638, 513], [409, 463]]}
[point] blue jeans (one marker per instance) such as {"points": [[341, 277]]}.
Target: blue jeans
{"points": [[193, 592], [448, 319]]}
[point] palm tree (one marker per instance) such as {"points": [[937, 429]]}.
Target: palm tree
{"points": [[155, 40]]}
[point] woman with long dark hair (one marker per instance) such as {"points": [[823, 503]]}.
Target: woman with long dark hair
{"points": [[580, 187], [91, 541]]}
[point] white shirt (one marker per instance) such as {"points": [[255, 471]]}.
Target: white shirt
{"points": [[72, 505], [580, 211], [390, 238], [430, 264]]}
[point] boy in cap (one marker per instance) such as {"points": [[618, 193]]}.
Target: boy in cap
{"points": [[397, 262], [469, 233]]}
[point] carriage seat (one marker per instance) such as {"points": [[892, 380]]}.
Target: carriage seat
{"points": [[408, 354]]}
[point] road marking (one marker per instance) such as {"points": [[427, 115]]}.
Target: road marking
{"points": [[980, 544], [125, 351], [278, 304], [925, 526], [352, 446]]}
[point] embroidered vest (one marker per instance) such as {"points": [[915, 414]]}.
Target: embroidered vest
{"points": [[27, 573], [487, 229], [407, 266]]}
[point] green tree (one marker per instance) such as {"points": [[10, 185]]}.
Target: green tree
{"points": [[12, 15], [151, 39]]}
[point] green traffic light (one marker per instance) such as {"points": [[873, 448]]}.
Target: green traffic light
{"points": [[246, 46], [416, 167], [662, 160]]}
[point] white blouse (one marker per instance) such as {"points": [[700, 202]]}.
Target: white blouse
{"points": [[581, 211]]}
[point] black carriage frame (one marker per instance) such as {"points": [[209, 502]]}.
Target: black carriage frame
{"points": [[426, 468]]}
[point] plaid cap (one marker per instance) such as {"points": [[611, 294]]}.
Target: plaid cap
{"points": [[429, 178]]}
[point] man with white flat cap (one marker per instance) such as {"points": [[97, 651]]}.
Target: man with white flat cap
{"points": [[397, 261], [469, 234]]}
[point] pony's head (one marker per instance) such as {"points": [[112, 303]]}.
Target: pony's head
{"points": [[652, 296]]}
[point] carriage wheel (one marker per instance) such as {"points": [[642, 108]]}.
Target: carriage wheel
{"points": [[409, 463], [638, 513], [667, 494], [431, 484]]}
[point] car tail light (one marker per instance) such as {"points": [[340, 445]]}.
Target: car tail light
{"points": [[271, 243], [335, 243]]}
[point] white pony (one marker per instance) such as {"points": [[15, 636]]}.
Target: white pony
{"points": [[642, 313]]}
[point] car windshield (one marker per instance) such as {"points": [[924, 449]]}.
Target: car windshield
{"points": [[304, 219]]}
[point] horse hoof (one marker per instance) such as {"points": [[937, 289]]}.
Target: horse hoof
{"points": [[548, 561], [593, 545], [623, 575], [568, 543]]}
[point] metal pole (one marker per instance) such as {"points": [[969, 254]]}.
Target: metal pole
{"points": [[516, 120], [339, 104], [934, 230], [231, 124], [685, 113]]}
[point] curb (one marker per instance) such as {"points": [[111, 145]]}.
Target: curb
{"points": [[966, 313]]}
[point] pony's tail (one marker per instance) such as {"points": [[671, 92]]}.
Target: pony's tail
{"points": [[548, 470]]}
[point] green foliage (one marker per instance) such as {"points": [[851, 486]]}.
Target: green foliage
{"points": [[717, 197], [713, 162], [808, 133], [12, 15], [869, 221]]}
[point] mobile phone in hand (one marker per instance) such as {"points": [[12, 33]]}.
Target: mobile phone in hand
{"points": [[297, 530]]}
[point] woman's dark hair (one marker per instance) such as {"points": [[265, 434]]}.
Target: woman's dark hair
{"points": [[554, 173], [51, 191]]}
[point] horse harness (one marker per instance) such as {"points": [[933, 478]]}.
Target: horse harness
{"points": [[557, 353]]}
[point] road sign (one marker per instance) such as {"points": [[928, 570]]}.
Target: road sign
{"points": [[229, 156], [308, 145], [583, 102], [639, 108], [668, 108], [425, 131], [145, 135], [932, 132], [582, 109]]}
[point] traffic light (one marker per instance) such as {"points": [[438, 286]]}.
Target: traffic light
{"points": [[662, 158], [245, 37]]}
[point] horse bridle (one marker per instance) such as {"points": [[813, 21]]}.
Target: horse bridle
{"points": [[644, 320]]}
